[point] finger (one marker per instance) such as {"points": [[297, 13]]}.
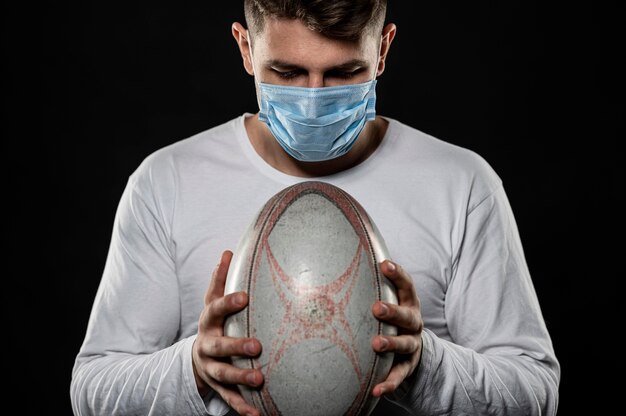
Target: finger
{"points": [[218, 278], [235, 400], [226, 373], [402, 281], [229, 347], [405, 317], [402, 344], [218, 308], [397, 374]]}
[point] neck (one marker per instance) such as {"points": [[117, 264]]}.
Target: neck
{"points": [[273, 154]]}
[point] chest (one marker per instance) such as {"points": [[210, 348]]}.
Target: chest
{"points": [[421, 242]]}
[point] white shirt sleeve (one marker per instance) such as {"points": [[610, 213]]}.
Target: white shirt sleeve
{"points": [[501, 359], [132, 360]]}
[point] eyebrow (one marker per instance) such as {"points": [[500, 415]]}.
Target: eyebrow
{"points": [[351, 64]]}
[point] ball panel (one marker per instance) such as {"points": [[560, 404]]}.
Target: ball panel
{"points": [[363, 326], [317, 388], [264, 318], [312, 260]]}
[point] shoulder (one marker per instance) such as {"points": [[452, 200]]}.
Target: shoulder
{"points": [[162, 164], [415, 146], [427, 158]]}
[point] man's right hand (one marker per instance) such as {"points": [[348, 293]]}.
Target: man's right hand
{"points": [[212, 350]]}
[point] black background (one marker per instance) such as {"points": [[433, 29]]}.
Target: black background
{"points": [[92, 88]]}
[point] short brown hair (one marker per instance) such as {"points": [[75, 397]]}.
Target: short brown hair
{"points": [[336, 19]]}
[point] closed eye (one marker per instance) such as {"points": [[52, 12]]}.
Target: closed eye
{"points": [[288, 74], [344, 74]]}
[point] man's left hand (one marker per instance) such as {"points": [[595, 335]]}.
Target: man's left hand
{"points": [[407, 317]]}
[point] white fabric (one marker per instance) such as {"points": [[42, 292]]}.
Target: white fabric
{"points": [[445, 218]]}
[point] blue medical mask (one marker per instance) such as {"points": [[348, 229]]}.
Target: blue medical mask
{"points": [[316, 124]]}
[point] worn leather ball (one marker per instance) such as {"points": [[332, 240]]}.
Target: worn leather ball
{"points": [[310, 263]]}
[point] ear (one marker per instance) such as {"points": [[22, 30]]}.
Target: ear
{"points": [[241, 37], [389, 32]]}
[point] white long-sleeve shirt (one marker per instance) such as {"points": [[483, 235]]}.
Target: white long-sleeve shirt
{"points": [[445, 218]]}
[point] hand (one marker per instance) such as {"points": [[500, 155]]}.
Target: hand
{"points": [[212, 350], [407, 345]]}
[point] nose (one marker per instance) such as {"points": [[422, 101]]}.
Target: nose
{"points": [[316, 80]]}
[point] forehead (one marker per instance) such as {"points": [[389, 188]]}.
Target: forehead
{"points": [[291, 41]]}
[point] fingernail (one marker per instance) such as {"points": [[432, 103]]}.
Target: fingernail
{"points": [[240, 299], [382, 309], [382, 343], [251, 378], [391, 266], [249, 348]]}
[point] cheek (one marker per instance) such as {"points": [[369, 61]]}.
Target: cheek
{"points": [[258, 94]]}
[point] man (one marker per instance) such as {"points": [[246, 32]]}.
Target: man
{"points": [[472, 339]]}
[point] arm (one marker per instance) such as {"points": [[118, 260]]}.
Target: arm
{"points": [[500, 360], [133, 359]]}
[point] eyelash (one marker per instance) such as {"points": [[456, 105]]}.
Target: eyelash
{"points": [[346, 75], [288, 74]]}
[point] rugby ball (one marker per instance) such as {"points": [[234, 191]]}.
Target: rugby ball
{"points": [[310, 263]]}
